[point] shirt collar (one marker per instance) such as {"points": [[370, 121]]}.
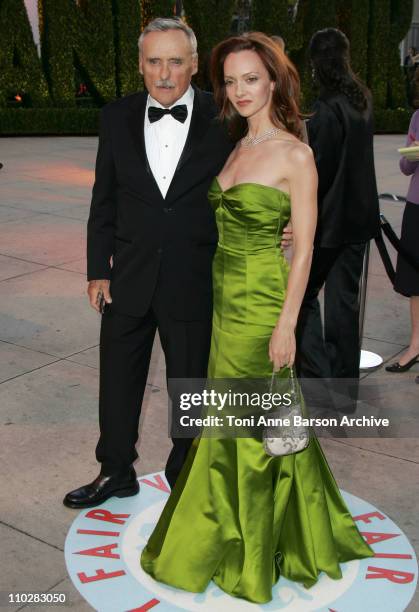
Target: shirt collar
{"points": [[187, 98]]}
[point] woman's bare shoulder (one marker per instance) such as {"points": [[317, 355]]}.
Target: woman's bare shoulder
{"points": [[292, 150], [300, 153]]}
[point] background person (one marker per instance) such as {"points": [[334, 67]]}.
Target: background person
{"points": [[411, 58], [407, 277], [341, 136]]}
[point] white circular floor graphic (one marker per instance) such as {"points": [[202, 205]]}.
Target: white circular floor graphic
{"points": [[104, 544]]}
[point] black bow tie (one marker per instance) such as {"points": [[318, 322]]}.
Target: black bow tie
{"points": [[179, 112]]}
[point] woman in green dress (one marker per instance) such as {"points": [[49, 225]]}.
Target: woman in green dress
{"points": [[236, 515]]}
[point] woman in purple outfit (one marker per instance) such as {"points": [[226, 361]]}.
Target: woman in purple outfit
{"points": [[407, 277]]}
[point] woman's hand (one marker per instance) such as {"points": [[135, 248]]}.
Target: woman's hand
{"points": [[286, 240], [282, 346]]}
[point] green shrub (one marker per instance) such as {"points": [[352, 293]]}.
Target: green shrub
{"points": [[392, 121], [20, 67], [211, 22], [155, 8], [400, 20], [32, 121], [95, 42], [82, 38], [275, 18], [312, 16], [127, 27], [353, 19]]}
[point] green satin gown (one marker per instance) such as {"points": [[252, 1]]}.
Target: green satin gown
{"points": [[236, 515]]}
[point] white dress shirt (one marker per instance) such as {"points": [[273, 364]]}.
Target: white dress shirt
{"points": [[165, 139]]}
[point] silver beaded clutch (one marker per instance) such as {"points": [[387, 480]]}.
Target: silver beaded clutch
{"points": [[283, 439]]}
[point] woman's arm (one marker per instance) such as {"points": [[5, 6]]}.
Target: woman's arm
{"points": [[302, 178], [406, 166]]}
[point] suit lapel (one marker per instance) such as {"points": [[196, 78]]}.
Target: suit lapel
{"points": [[197, 129], [136, 128], [199, 125]]}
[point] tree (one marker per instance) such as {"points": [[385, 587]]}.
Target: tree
{"points": [[353, 19], [211, 22], [81, 38], [311, 17], [156, 8], [378, 43], [20, 67], [275, 17], [127, 25], [400, 19]]}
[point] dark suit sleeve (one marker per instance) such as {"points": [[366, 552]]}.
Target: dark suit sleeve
{"points": [[102, 218], [325, 135]]}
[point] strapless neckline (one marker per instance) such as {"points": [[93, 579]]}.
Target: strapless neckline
{"points": [[247, 184]]}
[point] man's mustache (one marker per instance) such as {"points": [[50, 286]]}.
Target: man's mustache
{"points": [[166, 83]]}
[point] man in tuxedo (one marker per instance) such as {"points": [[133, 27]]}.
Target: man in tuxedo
{"points": [[150, 244]]}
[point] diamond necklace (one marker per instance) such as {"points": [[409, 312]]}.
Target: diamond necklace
{"points": [[251, 141]]}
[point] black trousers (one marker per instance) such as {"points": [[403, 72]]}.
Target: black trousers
{"points": [[334, 352], [125, 350]]}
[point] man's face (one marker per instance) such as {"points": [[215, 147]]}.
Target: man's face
{"points": [[167, 64]]}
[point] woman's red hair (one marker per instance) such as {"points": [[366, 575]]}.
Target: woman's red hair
{"points": [[284, 110]]}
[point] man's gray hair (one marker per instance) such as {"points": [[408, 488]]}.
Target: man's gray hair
{"points": [[164, 24]]}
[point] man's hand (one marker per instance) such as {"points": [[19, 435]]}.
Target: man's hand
{"points": [[286, 241], [95, 289]]}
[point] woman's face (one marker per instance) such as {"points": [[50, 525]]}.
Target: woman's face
{"points": [[247, 83]]}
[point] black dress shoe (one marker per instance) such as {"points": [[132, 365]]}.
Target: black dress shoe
{"points": [[396, 367], [102, 488]]}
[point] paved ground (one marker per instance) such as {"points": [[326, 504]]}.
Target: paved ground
{"points": [[49, 361]]}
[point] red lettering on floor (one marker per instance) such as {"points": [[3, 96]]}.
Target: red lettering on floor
{"points": [[365, 518], [100, 575], [372, 537], [392, 556], [104, 515], [100, 551], [115, 534], [147, 606], [389, 574], [157, 484]]}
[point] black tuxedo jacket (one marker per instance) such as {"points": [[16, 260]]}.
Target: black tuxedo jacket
{"points": [[342, 141], [151, 239]]}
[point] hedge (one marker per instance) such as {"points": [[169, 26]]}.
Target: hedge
{"points": [[20, 67], [154, 8], [82, 38], [40, 121], [94, 42], [127, 27], [353, 19], [211, 22], [275, 17], [392, 121], [84, 122], [400, 18], [314, 16]]}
